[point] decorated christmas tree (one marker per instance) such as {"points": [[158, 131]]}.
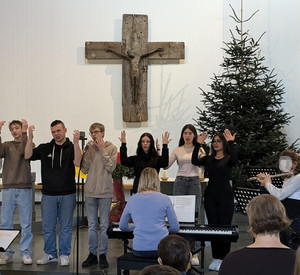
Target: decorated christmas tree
{"points": [[247, 99]]}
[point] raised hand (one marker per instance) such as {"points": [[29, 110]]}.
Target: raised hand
{"points": [[30, 131], [165, 138], [76, 136], [123, 137], [24, 125], [201, 138], [2, 123], [157, 144], [228, 136]]}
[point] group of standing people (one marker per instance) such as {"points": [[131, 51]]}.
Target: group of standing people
{"points": [[147, 209], [58, 159]]}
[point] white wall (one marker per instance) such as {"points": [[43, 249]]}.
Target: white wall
{"points": [[44, 75]]}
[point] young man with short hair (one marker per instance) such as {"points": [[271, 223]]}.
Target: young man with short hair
{"points": [[17, 189], [174, 250], [59, 190], [98, 163]]}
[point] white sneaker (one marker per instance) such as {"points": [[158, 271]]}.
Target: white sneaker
{"points": [[64, 260], [213, 264], [218, 265], [47, 259], [5, 259], [26, 259], [195, 259]]}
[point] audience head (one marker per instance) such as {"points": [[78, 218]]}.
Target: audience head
{"points": [[149, 180], [215, 143], [174, 251], [146, 144], [266, 215], [159, 270], [294, 157], [188, 132]]}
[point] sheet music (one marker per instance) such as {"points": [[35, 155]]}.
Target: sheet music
{"points": [[7, 237], [184, 207]]}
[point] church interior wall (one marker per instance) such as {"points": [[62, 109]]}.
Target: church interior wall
{"points": [[44, 75]]}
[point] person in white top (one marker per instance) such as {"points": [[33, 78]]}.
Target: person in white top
{"points": [[289, 194], [187, 177]]}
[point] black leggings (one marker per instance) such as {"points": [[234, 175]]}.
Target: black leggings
{"points": [[219, 212]]}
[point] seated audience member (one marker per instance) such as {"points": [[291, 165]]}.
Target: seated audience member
{"points": [[173, 250], [148, 210], [267, 255], [159, 270]]}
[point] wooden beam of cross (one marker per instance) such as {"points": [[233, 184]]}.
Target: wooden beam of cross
{"points": [[135, 51]]}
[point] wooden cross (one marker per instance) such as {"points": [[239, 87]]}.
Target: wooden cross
{"points": [[135, 51]]}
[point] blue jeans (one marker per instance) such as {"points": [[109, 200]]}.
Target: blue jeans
{"points": [[188, 186], [92, 206], [11, 198], [59, 208]]}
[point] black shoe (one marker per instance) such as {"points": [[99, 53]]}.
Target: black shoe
{"points": [[91, 260], [103, 262]]}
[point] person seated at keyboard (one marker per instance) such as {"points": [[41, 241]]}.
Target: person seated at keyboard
{"points": [[175, 251], [148, 210], [267, 255]]}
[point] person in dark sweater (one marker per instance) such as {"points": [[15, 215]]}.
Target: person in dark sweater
{"points": [[16, 179], [267, 255], [218, 195], [59, 190], [146, 155]]}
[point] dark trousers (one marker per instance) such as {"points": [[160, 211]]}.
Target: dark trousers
{"points": [[219, 212]]}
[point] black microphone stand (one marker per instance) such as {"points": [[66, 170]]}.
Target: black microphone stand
{"points": [[83, 139]]}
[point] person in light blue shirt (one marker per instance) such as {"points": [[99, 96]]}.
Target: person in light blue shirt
{"points": [[148, 210]]}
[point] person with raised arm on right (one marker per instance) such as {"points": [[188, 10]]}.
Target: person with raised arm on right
{"points": [[218, 195]]}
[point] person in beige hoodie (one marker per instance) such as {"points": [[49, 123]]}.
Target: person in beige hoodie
{"points": [[99, 161]]}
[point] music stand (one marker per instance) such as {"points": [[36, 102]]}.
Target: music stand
{"points": [[7, 236], [253, 171], [244, 195]]}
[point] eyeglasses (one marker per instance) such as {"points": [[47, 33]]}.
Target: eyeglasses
{"points": [[95, 132], [217, 141]]}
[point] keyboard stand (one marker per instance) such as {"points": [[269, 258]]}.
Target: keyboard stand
{"points": [[201, 250]]}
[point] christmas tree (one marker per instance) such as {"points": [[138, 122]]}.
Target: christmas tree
{"points": [[247, 99]]}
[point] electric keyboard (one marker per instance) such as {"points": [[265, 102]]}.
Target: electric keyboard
{"points": [[190, 232]]}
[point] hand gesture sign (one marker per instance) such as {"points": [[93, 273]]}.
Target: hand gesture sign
{"points": [[228, 136], [123, 137], [202, 137], [165, 138], [30, 131]]}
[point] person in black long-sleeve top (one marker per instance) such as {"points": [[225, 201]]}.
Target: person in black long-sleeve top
{"points": [[218, 195], [146, 155]]}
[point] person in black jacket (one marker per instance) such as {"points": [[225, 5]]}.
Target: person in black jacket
{"points": [[59, 190], [218, 195], [146, 155]]}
